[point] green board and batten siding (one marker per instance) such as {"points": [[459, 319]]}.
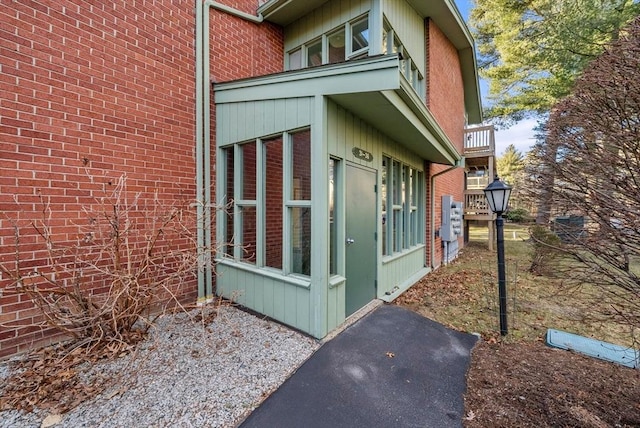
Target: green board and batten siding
{"points": [[243, 121], [289, 300], [267, 294], [263, 291], [345, 132], [325, 18], [409, 27], [267, 106]]}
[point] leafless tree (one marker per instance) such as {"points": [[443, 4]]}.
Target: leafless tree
{"points": [[592, 150]]}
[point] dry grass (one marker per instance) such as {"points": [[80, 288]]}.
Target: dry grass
{"points": [[463, 295]]}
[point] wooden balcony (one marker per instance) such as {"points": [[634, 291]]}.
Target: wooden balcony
{"points": [[476, 207], [479, 152], [479, 141]]}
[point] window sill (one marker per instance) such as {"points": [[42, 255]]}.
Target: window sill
{"points": [[403, 253], [293, 279], [336, 281]]}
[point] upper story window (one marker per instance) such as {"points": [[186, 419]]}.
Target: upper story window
{"points": [[360, 36], [353, 40], [348, 41]]}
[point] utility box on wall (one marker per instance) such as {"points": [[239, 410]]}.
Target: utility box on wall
{"points": [[451, 228]]}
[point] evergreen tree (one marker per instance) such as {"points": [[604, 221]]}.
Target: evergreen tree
{"points": [[510, 165], [531, 51]]}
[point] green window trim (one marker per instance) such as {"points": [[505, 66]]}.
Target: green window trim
{"points": [[247, 171], [403, 205], [351, 38]]}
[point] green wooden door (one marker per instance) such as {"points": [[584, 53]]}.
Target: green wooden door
{"points": [[360, 231]]}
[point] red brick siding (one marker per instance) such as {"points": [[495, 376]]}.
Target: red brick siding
{"points": [[109, 88], [241, 49], [88, 88], [445, 99]]}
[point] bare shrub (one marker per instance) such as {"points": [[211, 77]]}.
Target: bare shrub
{"points": [[101, 284], [592, 151]]}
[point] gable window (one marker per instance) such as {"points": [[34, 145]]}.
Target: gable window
{"points": [[268, 186], [347, 41], [402, 202]]}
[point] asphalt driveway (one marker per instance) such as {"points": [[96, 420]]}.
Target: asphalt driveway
{"points": [[392, 368]]}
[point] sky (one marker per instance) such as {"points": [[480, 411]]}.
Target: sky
{"points": [[521, 135]]}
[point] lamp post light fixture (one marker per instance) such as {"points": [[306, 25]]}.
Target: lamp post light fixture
{"points": [[497, 194]]}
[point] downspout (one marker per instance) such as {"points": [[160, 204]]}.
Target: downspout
{"points": [[200, 202], [203, 140], [459, 164]]}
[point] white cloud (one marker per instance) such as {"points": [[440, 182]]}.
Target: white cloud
{"points": [[520, 135]]}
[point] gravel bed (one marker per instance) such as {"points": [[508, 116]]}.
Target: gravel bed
{"points": [[187, 374]]}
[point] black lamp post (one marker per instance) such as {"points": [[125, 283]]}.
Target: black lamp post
{"points": [[497, 194]]}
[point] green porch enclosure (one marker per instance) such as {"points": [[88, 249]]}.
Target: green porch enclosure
{"points": [[287, 147]]}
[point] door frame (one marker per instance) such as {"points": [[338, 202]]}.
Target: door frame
{"points": [[373, 252]]}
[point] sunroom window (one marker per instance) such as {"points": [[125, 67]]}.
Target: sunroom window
{"points": [[295, 59], [314, 53], [336, 45], [268, 187], [402, 202]]}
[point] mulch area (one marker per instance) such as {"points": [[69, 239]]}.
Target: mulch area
{"points": [[532, 385]]}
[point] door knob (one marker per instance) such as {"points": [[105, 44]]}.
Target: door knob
{"points": [[350, 240]]}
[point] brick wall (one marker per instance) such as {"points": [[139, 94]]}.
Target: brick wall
{"points": [[90, 91], [241, 49], [93, 91], [445, 99]]}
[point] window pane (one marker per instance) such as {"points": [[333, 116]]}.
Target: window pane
{"points": [[301, 240], [396, 186], [383, 194], [229, 177], [295, 59], [397, 230], [273, 203], [314, 54], [301, 167], [412, 186], [420, 210], [360, 35], [249, 171], [333, 265], [249, 234], [336, 47], [385, 41]]}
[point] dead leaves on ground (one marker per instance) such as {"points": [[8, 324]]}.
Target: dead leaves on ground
{"points": [[445, 285], [52, 378]]}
